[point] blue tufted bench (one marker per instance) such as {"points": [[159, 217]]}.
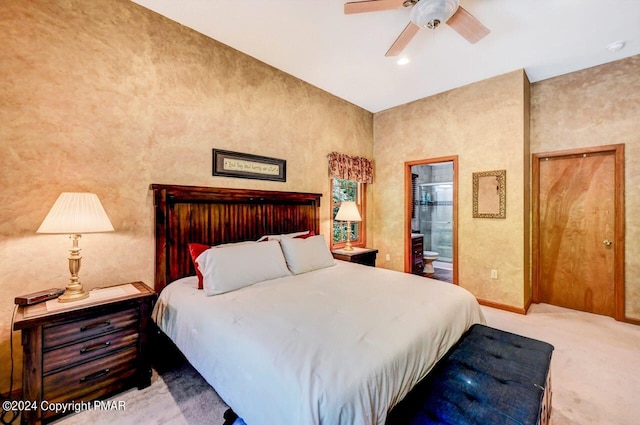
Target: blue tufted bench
{"points": [[489, 377]]}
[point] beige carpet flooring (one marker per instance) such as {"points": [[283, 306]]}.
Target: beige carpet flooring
{"points": [[595, 376]]}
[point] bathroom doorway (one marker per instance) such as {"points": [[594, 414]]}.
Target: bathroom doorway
{"points": [[431, 217]]}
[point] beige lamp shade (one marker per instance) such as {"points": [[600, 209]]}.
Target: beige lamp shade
{"points": [[348, 212], [75, 214]]}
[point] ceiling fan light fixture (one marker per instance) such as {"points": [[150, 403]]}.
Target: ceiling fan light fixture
{"points": [[431, 13]]}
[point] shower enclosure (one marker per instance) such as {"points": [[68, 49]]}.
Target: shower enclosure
{"points": [[436, 219]]}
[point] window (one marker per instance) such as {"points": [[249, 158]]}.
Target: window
{"points": [[347, 190], [348, 175]]}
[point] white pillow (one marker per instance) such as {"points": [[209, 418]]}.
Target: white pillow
{"points": [[237, 266], [305, 255], [278, 237]]}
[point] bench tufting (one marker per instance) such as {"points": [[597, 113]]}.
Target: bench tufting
{"points": [[489, 377]]}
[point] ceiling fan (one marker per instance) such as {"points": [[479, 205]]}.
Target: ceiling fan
{"points": [[425, 14]]}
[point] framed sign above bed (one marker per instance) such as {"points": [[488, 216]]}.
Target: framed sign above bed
{"points": [[247, 166]]}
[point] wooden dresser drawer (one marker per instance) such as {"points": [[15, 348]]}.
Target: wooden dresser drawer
{"points": [[75, 382], [86, 350], [87, 328]]}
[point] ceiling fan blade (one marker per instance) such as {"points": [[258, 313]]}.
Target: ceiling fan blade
{"points": [[371, 6], [403, 39], [467, 26]]}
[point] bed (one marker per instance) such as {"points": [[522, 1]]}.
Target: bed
{"points": [[340, 344]]}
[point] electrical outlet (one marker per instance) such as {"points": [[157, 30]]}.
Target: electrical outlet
{"points": [[494, 274], [387, 257]]}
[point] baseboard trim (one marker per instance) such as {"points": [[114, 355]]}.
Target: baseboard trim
{"points": [[513, 309], [632, 320]]}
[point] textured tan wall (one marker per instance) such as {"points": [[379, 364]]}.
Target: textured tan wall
{"points": [[526, 169], [484, 124], [595, 107], [108, 97]]}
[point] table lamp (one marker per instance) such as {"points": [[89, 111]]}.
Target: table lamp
{"points": [[348, 212], [75, 214]]}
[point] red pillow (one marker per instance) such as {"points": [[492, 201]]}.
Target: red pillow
{"points": [[306, 235], [195, 249]]}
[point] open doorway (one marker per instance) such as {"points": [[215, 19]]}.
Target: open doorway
{"points": [[431, 217]]}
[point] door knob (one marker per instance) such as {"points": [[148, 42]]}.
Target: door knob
{"points": [[607, 243]]}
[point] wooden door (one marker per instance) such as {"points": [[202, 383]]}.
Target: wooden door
{"points": [[577, 232]]}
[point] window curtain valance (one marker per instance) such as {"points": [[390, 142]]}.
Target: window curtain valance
{"points": [[347, 167]]}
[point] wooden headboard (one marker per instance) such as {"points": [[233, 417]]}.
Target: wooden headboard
{"points": [[213, 216]]}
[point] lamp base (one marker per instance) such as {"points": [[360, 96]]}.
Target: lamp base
{"points": [[347, 246], [73, 294], [74, 290]]}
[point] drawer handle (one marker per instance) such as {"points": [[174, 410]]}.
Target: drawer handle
{"points": [[95, 375], [95, 325], [95, 347]]}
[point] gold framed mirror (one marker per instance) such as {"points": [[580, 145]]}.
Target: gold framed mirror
{"points": [[489, 194]]}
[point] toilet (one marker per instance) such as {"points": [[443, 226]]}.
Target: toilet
{"points": [[429, 257]]}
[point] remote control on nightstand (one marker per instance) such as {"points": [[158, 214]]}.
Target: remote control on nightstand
{"points": [[38, 297]]}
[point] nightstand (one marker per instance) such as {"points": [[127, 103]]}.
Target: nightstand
{"points": [[86, 349], [366, 256]]}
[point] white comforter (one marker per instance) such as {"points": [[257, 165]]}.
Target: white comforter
{"points": [[337, 346]]}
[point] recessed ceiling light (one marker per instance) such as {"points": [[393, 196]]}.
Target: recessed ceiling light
{"points": [[403, 61], [615, 46]]}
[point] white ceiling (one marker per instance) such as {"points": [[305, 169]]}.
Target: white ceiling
{"points": [[344, 54]]}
